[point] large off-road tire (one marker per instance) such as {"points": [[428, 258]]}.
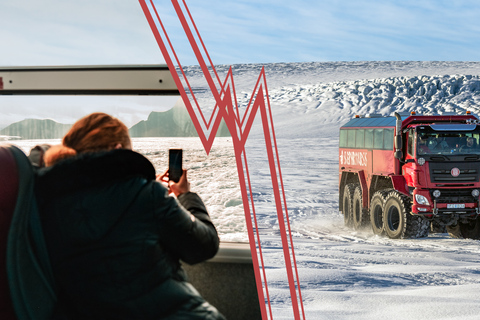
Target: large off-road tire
{"points": [[359, 214], [376, 212], [347, 201], [398, 221], [454, 231], [437, 227], [470, 230]]}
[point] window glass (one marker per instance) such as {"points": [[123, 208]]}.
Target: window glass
{"points": [[369, 138], [410, 143], [388, 139], [343, 138], [360, 134], [28, 121], [378, 138], [351, 139], [446, 142]]}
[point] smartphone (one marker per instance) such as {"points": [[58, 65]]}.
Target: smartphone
{"points": [[175, 170]]}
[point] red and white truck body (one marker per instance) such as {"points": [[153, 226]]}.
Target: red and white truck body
{"points": [[402, 173]]}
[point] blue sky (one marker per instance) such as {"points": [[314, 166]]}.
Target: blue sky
{"points": [[56, 32]]}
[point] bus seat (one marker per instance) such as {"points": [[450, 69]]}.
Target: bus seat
{"points": [[8, 199], [28, 271]]}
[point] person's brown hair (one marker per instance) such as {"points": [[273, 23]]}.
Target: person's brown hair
{"points": [[95, 132]]}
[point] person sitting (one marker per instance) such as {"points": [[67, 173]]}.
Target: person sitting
{"points": [[470, 146], [422, 146], [115, 234], [439, 144]]}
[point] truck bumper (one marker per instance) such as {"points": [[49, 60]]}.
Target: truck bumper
{"points": [[463, 209]]}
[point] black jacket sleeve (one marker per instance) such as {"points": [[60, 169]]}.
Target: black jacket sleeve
{"points": [[185, 228]]}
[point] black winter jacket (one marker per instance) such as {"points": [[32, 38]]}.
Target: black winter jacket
{"points": [[115, 238]]}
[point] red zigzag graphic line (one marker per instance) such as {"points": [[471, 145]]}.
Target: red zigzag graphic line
{"points": [[239, 130]]}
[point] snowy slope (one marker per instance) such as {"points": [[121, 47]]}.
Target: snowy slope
{"points": [[331, 93], [338, 102]]}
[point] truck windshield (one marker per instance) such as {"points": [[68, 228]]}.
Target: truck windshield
{"points": [[448, 142]]}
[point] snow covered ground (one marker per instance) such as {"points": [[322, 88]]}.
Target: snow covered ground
{"points": [[345, 274]]}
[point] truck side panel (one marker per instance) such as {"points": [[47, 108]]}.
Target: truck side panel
{"points": [[383, 162]]}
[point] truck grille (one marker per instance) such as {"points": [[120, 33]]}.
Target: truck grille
{"points": [[455, 196], [440, 172]]}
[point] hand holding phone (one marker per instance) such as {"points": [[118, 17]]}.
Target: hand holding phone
{"points": [[180, 187], [175, 169]]}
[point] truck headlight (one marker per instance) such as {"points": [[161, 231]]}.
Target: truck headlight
{"points": [[421, 200]]}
